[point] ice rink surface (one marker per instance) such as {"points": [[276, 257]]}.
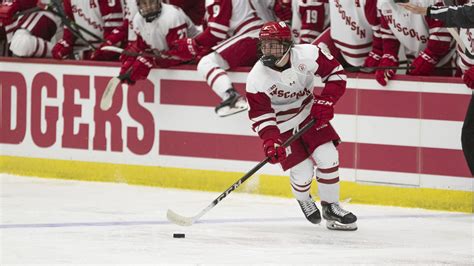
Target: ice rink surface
{"points": [[52, 221]]}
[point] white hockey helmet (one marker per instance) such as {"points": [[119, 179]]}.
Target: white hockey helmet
{"points": [[149, 9]]}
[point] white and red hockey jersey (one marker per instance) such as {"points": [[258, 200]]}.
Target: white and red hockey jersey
{"points": [[172, 24], [227, 18], [467, 37], [130, 10], [265, 10], [99, 17], [309, 19], [354, 28], [284, 99], [33, 34], [416, 33]]}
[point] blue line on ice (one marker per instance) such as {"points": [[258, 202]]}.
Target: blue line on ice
{"points": [[219, 221]]}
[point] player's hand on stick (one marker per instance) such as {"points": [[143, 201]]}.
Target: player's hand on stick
{"points": [[274, 150], [384, 75], [62, 49], [373, 60], [139, 68], [468, 78], [104, 55], [186, 49], [115, 38], [322, 110], [423, 65]]}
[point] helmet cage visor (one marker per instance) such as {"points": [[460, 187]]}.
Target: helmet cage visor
{"points": [[273, 50], [149, 9]]}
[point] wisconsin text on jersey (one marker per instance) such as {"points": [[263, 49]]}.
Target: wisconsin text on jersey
{"points": [[405, 30], [274, 91], [349, 21]]}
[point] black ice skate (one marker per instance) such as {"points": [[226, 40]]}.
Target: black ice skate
{"points": [[232, 105], [310, 210], [337, 218]]}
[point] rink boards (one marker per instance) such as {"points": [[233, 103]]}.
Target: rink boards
{"points": [[401, 143]]}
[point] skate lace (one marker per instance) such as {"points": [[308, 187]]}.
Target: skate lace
{"points": [[308, 207], [336, 209]]}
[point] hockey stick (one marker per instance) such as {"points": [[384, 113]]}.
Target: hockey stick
{"points": [[154, 53], [188, 221], [371, 69], [457, 38], [72, 25], [106, 100]]}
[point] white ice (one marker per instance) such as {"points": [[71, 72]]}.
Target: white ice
{"points": [[52, 221]]}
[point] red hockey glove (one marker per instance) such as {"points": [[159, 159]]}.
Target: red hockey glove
{"points": [[384, 75], [7, 10], [274, 149], [186, 49], [102, 55], [322, 110], [282, 9], [62, 49], [138, 69], [423, 65], [469, 78], [372, 60]]}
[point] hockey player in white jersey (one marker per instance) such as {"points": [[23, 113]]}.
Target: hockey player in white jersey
{"points": [[231, 35], [424, 41], [157, 27], [281, 100], [353, 37]]}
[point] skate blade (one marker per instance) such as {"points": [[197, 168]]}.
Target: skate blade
{"points": [[334, 225], [227, 111]]}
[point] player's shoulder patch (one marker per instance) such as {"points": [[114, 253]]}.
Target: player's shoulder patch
{"points": [[304, 56]]}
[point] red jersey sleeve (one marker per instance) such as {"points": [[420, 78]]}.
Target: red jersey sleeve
{"points": [[332, 74], [219, 15], [390, 43], [262, 115], [373, 17], [67, 35]]}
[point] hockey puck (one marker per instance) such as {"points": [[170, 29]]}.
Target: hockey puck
{"points": [[178, 235]]}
